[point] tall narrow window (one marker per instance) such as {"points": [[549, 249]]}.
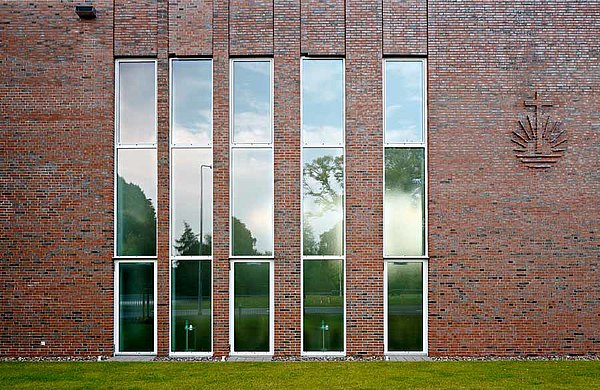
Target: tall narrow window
{"points": [[251, 159], [404, 209], [135, 205], [191, 211], [323, 205]]}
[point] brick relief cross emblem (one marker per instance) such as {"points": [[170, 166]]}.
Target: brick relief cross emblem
{"points": [[539, 140]]}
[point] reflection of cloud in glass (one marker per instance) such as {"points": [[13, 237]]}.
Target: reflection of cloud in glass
{"points": [[404, 101], [252, 172], [137, 103], [322, 101], [252, 102], [192, 102], [252, 127], [138, 166], [186, 191]]}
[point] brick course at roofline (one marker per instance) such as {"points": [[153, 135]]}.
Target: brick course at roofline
{"points": [[514, 251]]}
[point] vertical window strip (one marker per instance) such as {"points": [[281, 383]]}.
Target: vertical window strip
{"points": [[322, 202], [405, 205], [251, 155], [135, 156], [191, 125]]}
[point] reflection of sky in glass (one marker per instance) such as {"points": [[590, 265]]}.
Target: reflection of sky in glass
{"points": [[403, 212], [322, 102], [192, 102], [186, 191], [138, 166], [403, 101], [252, 102], [321, 214], [137, 103], [253, 194]]}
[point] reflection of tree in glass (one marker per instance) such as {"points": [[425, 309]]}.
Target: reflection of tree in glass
{"points": [[244, 244], [136, 221], [323, 183], [327, 173], [403, 169], [189, 245]]}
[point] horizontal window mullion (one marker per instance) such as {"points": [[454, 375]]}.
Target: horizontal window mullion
{"points": [[191, 146], [136, 146]]}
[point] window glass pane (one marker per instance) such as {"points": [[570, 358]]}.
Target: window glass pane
{"points": [[403, 101], [403, 209], [405, 306], [192, 102], [323, 305], [323, 191], [322, 102], [192, 202], [136, 307], [252, 102], [137, 103], [136, 202], [252, 215], [251, 307], [191, 306]]}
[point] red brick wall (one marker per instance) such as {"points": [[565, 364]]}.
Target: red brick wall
{"points": [[190, 27], [250, 27], [323, 27], [514, 255], [364, 179], [405, 27], [514, 265], [135, 28], [56, 179]]}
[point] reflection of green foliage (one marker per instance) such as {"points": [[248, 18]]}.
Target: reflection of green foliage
{"points": [[330, 242], [189, 245], [327, 174], [243, 242], [404, 169], [324, 277], [136, 221]]}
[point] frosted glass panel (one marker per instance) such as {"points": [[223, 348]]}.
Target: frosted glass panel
{"points": [[404, 212]]}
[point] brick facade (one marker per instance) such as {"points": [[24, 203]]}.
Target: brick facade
{"points": [[513, 250]]}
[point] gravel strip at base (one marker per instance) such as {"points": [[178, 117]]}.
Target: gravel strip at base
{"points": [[310, 359]]}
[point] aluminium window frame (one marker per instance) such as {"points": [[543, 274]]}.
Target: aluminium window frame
{"points": [[237, 146], [118, 146], [423, 259], [303, 257], [172, 257], [116, 313], [231, 296]]}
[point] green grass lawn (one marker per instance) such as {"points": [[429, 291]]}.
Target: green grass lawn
{"points": [[303, 375]]}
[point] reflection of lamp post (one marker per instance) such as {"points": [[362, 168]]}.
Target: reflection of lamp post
{"points": [[324, 328], [201, 235], [202, 202]]}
